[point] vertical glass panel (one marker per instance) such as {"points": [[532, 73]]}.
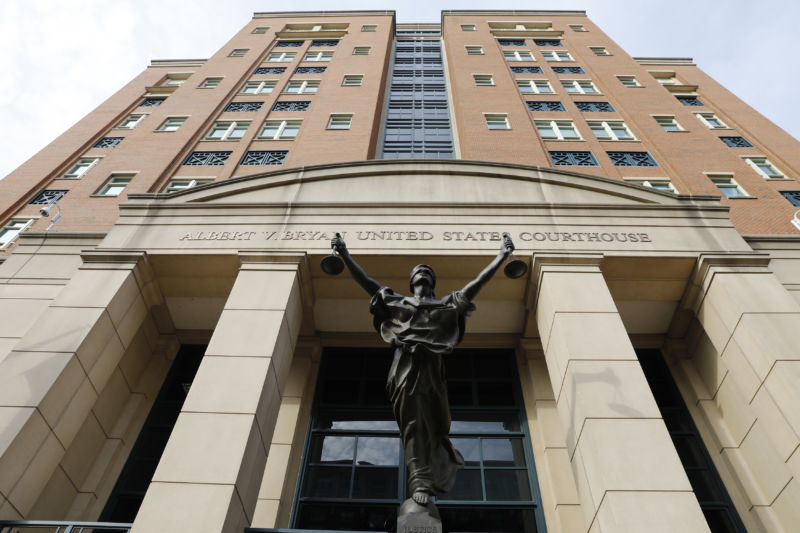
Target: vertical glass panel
{"points": [[496, 520], [327, 482], [703, 485], [495, 393], [341, 392], [467, 486], [332, 449], [503, 452], [484, 423], [459, 392], [375, 483], [507, 485], [470, 449], [378, 451]]}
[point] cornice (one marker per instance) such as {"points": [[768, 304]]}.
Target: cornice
{"points": [[172, 63], [515, 12], [665, 61], [292, 14]]}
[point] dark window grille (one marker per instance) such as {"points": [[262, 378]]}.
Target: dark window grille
{"points": [[548, 42], [594, 107], [107, 142], [736, 142], [200, 158], [354, 473], [270, 70], [703, 476], [792, 196], [576, 159], [264, 157], [511, 42], [568, 70], [151, 102], [310, 70], [289, 44], [300, 105], [320, 42], [48, 196], [243, 107], [526, 70], [690, 100], [632, 159], [545, 106]]}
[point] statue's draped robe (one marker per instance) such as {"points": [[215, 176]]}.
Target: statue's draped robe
{"points": [[422, 331]]}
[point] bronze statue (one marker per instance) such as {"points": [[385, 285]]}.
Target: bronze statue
{"points": [[422, 328]]}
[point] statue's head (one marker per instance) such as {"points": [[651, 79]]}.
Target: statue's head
{"points": [[422, 273]]}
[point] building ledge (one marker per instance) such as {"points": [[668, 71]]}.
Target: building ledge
{"points": [[295, 14], [665, 61], [177, 62]]}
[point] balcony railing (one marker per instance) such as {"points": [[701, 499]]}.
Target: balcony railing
{"points": [[49, 526]]}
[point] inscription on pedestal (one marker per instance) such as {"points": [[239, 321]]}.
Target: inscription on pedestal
{"points": [[415, 518]]}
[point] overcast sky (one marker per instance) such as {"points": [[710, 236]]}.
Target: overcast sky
{"points": [[61, 58]]}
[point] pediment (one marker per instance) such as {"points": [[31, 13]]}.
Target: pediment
{"points": [[418, 182]]}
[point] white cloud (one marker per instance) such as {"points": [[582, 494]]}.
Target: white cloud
{"points": [[63, 58]]}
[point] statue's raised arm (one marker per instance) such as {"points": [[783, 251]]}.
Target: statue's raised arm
{"points": [[470, 291], [369, 284]]}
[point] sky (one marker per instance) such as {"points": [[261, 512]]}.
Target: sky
{"points": [[61, 58]]}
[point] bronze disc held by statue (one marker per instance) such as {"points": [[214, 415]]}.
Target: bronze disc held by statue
{"points": [[332, 264], [516, 268]]}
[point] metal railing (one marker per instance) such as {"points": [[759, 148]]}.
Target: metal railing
{"points": [[50, 526]]}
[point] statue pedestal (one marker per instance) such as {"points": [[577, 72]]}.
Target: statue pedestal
{"points": [[415, 518]]}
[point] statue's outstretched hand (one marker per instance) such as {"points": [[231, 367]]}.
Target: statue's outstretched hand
{"points": [[507, 247], [338, 244]]}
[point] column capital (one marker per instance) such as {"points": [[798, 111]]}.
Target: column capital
{"points": [[542, 262], [112, 256], [281, 260], [710, 264]]}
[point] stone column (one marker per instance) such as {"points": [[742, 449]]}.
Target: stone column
{"points": [[51, 380], [628, 474], [753, 323], [209, 475]]}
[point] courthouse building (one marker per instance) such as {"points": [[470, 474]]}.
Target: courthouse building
{"points": [[172, 355]]}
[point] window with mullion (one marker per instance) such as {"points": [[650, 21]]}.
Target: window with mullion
{"points": [[354, 471]]}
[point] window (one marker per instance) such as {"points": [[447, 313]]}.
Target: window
{"points": [[661, 184], [573, 159], [474, 50], [468, 27], [280, 129], [535, 86], [548, 42], [210, 83], [180, 184], [340, 122], [207, 158], [172, 124], [668, 123], [280, 57], [302, 87], [594, 107], [289, 44], [792, 196], [736, 142], [765, 168], [511, 42], [325, 42], [48, 196], [352, 80], [130, 122], [497, 122], [318, 56], [517, 55], [270, 70], [175, 80], [10, 231], [611, 130], [260, 29], [310, 70], [690, 101], [151, 102], [227, 130], [243, 107], [579, 87], [259, 87], [292, 106], [361, 50], [632, 159], [354, 451], [727, 185], [81, 167], [369, 27], [629, 81], [561, 130], [107, 142], [483, 79], [238, 52], [556, 55], [711, 120], [599, 50], [568, 70], [264, 157], [530, 69], [115, 185], [545, 106], [577, 27], [666, 78]]}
